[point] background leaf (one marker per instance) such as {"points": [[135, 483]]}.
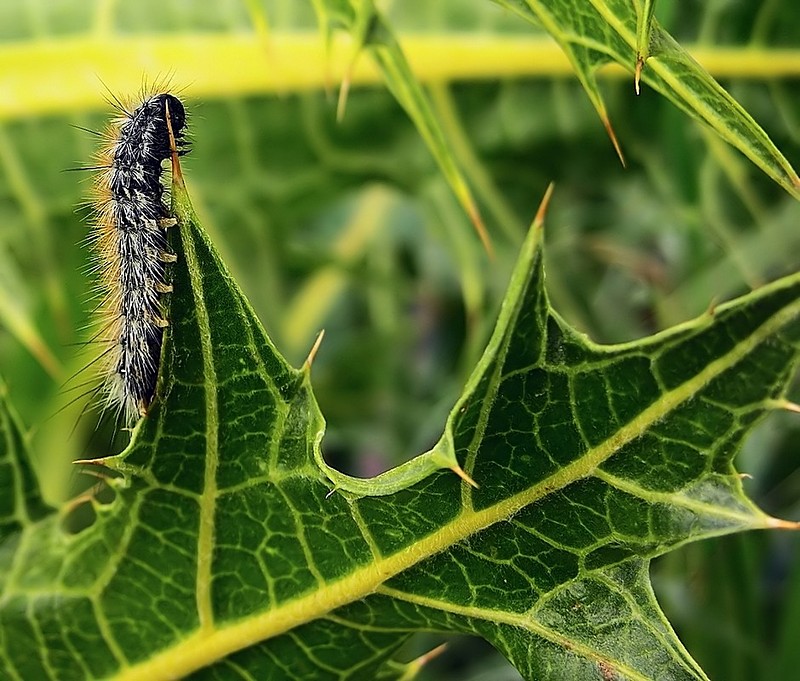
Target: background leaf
{"points": [[372, 34], [603, 31]]}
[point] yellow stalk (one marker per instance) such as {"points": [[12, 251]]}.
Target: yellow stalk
{"points": [[56, 75]]}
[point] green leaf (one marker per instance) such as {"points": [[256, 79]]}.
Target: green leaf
{"points": [[224, 553], [371, 33], [21, 501], [601, 32]]}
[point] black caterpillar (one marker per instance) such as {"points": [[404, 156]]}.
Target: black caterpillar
{"points": [[131, 246]]}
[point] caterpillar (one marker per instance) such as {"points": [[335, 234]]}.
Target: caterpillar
{"points": [[131, 251]]}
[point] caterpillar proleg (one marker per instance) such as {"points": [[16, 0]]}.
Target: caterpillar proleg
{"points": [[131, 248]]}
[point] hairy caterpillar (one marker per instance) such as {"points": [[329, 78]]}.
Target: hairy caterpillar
{"points": [[130, 244]]}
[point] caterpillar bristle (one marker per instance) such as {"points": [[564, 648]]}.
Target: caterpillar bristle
{"points": [[96, 133], [78, 169]]}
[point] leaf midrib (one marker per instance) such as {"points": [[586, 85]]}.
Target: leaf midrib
{"points": [[206, 646], [208, 497]]}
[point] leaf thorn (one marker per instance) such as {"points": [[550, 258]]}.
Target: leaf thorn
{"points": [[480, 228], [783, 404], [430, 655], [331, 493], [101, 461], [779, 524], [85, 497], [637, 74], [461, 473], [613, 137], [544, 204], [314, 349], [344, 90]]}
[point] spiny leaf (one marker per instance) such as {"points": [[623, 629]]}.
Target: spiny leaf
{"points": [[594, 33], [645, 10], [224, 552], [373, 34]]}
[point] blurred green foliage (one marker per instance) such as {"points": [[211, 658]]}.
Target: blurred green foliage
{"points": [[407, 297]]}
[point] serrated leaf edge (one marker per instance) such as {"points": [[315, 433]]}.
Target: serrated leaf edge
{"points": [[208, 645]]}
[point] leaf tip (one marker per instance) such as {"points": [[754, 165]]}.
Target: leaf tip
{"points": [[461, 473], [423, 659], [106, 471], [86, 497], [480, 228], [785, 405], [344, 91], [544, 204], [637, 74], [779, 524], [101, 461], [313, 352], [613, 137]]}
